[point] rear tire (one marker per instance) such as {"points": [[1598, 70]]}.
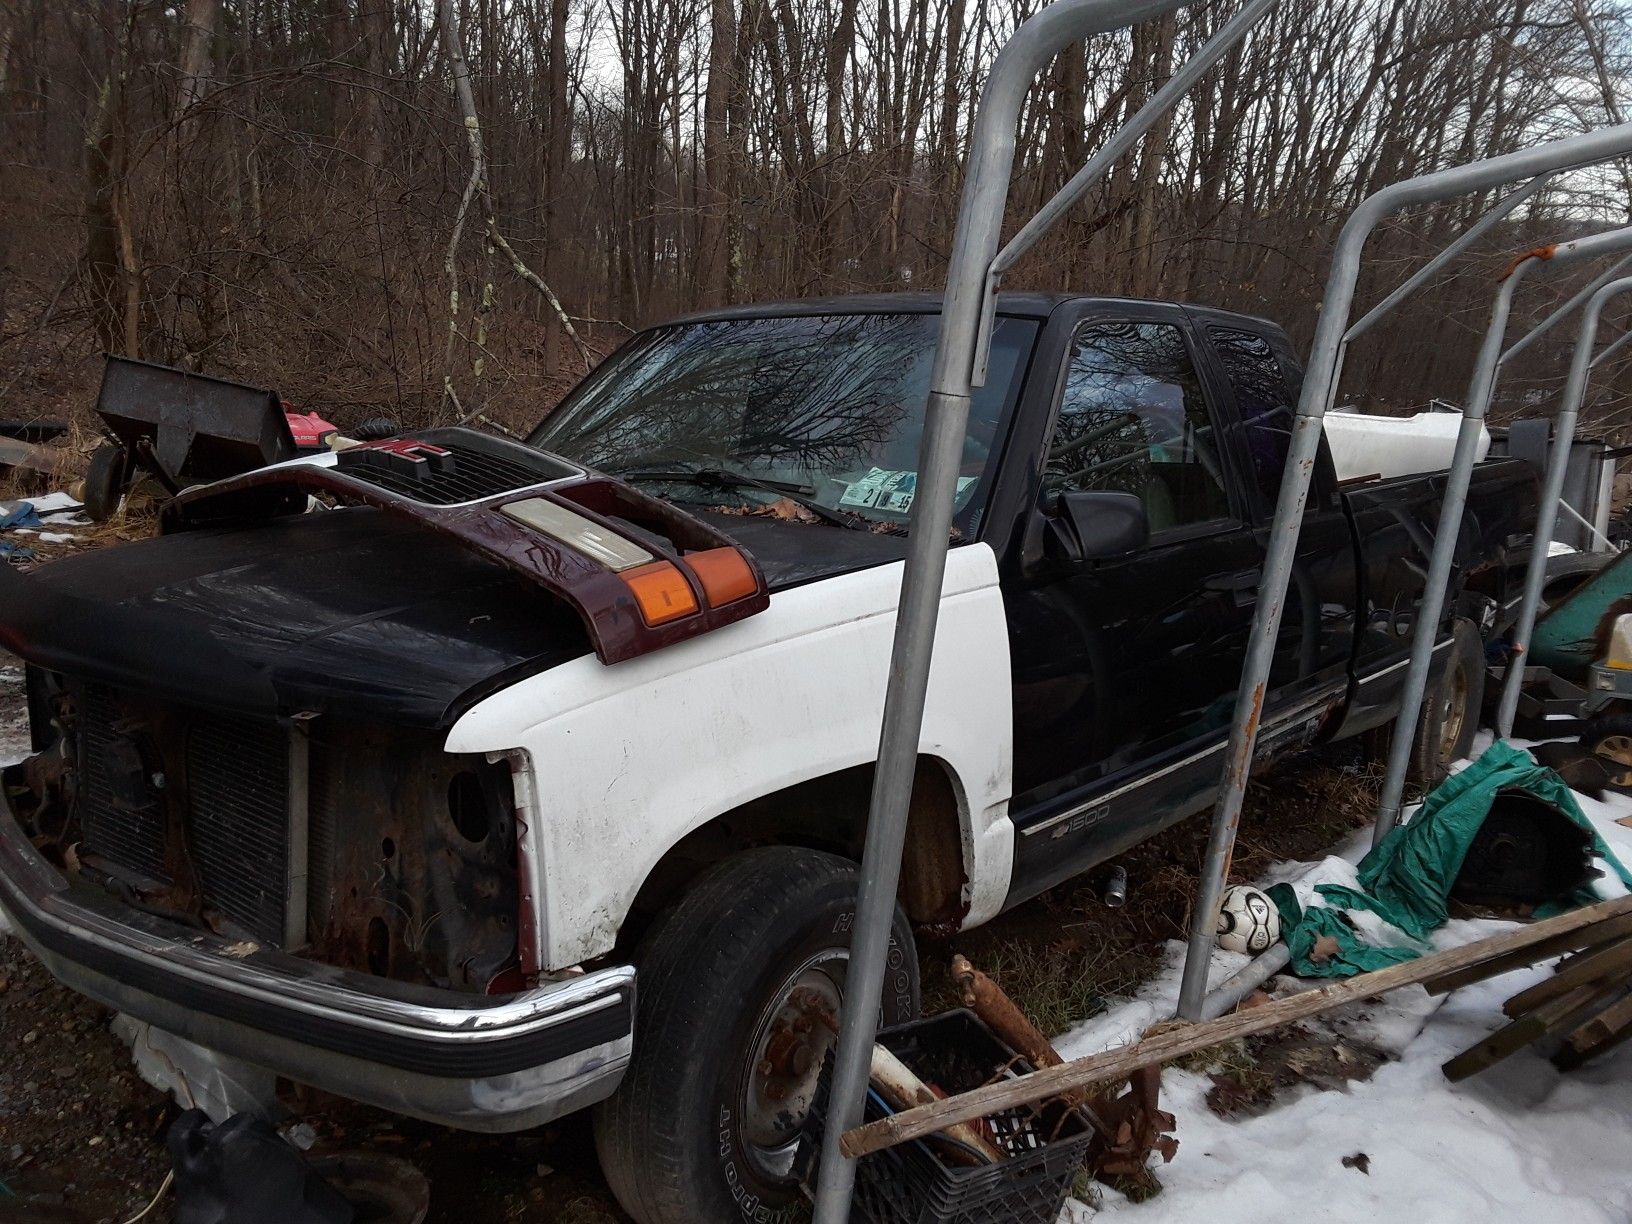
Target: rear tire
{"points": [[704, 1125], [1450, 709]]}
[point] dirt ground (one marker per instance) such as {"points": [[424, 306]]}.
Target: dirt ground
{"points": [[82, 1137]]}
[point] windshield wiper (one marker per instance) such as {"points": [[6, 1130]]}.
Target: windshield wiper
{"points": [[726, 478]]}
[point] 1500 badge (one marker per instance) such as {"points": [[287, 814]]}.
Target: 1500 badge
{"points": [[1081, 822]]}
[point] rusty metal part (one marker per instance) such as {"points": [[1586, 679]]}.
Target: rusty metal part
{"points": [[902, 1089], [988, 1001], [1127, 1128], [1545, 251], [1139, 1127], [412, 858]]}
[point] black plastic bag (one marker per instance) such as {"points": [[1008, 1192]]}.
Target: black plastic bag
{"points": [[242, 1172]]}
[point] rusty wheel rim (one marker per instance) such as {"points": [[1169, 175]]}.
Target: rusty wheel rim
{"points": [[790, 1041], [1616, 750], [1453, 716]]}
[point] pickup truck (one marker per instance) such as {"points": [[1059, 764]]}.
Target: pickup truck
{"points": [[487, 780]]}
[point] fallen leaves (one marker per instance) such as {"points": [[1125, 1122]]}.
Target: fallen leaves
{"points": [[1326, 947]]}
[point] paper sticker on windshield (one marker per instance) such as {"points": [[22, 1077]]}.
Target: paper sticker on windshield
{"points": [[882, 490], [892, 491]]}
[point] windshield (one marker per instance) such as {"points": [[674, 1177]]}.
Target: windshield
{"points": [[825, 409]]}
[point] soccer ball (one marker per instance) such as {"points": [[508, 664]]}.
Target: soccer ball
{"points": [[1247, 920]]}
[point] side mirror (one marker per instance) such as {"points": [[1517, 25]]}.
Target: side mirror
{"points": [[1095, 525]]}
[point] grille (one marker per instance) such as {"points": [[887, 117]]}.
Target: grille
{"points": [[237, 783], [121, 820], [475, 472], [320, 818], [238, 780]]}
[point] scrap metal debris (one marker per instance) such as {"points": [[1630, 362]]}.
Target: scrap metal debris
{"points": [[1129, 1126]]}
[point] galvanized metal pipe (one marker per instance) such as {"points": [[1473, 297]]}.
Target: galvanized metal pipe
{"points": [[1121, 142], [1568, 308], [1467, 238], [1318, 389], [1552, 491], [980, 220], [1611, 350], [1582, 519], [1129, 135], [1244, 981], [1425, 632]]}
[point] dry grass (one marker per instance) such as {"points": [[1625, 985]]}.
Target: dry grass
{"points": [[1064, 956]]}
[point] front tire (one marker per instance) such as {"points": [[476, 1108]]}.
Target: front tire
{"points": [[704, 1128]]}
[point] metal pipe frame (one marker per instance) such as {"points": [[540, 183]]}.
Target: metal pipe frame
{"points": [[1562, 312], [1552, 490], [958, 368], [1467, 238], [1611, 350], [1425, 633], [1319, 387]]}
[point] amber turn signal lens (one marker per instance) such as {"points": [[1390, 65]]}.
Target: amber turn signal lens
{"points": [[661, 591], [725, 574]]}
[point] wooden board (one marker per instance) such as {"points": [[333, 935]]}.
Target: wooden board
{"points": [[1521, 958], [1614, 958], [1557, 1013], [1187, 1038]]}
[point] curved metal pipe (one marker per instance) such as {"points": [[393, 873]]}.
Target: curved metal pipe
{"points": [[1552, 489], [1319, 387], [975, 243], [1487, 366]]}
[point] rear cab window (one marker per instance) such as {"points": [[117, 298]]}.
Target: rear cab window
{"points": [[1265, 402]]}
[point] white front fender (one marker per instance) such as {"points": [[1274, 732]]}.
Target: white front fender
{"points": [[628, 759]]}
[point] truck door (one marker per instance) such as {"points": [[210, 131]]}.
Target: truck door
{"points": [[1261, 377], [1125, 668]]}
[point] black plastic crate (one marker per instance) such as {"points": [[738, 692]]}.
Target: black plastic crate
{"points": [[916, 1182]]}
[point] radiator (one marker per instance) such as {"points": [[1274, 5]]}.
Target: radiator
{"points": [[231, 775]]}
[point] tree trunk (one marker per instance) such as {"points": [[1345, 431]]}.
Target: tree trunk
{"points": [[713, 262]]}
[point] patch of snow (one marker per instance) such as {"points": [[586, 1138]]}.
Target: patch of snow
{"points": [[1520, 1141]]}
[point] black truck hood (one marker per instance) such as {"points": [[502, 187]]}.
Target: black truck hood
{"points": [[346, 612]]}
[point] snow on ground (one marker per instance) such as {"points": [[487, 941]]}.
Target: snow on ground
{"points": [[1520, 1141]]}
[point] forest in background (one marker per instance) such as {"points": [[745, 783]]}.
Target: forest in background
{"points": [[443, 209]]}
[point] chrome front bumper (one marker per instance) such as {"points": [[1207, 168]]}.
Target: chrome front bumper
{"points": [[485, 1064]]}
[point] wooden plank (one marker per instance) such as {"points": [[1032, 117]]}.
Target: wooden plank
{"points": [[1598, 1035], [1187, 1038], [1606, 1024], [1614, 958], [1619, 926], [1532, 1027]]}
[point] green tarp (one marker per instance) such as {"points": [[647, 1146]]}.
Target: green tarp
{"points": [[1407, 880]]}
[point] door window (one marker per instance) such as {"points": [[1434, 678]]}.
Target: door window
{"points": [[1133, 419], [1264, 401]]}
